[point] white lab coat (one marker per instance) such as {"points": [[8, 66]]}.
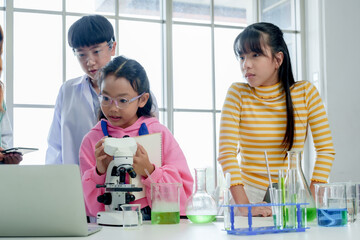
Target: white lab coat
{"points": [[6, 131], [74, 116]]}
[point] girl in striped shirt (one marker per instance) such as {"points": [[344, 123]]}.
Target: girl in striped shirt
{"points": [[270, 112]]}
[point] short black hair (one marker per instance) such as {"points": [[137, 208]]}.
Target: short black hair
{"points": [[90, 30]]}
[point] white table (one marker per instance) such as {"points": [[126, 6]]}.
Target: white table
{"points": [[189, 231]]}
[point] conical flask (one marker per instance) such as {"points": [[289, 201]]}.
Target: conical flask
{"points": [[297, 189], [201, 207]]}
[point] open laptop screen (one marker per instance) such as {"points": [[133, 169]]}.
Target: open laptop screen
{"points": [[41, 200]]}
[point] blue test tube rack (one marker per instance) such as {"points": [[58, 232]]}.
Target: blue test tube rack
{"points": [[250, 230]]}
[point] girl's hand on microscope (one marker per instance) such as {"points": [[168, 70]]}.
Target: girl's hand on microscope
{"points": [[141, 161], [102, 159]]}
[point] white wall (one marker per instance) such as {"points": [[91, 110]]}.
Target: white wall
{"points": [[333, 50], [313, 68]]}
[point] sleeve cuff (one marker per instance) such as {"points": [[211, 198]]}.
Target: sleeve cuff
{"points": [[155, 176], [318, 180], [98, 179], [235, 184]]}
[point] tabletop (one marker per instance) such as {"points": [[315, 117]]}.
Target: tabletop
{"points": [[188, 231]]}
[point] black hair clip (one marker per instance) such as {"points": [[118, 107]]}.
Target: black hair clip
{"points": [[110, 43]]}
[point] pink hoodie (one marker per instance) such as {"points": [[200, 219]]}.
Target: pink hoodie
{"points": [[174, 168]]}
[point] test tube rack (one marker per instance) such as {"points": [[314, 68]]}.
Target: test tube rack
{"points": [[250, 230]]}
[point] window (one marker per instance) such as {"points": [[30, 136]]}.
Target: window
{"points": [[185, 46]]}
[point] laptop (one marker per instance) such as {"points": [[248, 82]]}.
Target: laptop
{"points": [[42, 200]]}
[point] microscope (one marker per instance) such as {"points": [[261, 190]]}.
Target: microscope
{"points": [[117, 191]]}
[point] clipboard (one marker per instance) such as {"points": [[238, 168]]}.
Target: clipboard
{"points": [[20, 150], [152, 145]]}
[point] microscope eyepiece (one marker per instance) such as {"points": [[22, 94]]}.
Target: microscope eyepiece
{"points": [[129, 198], [106, 198], [131, 172]]}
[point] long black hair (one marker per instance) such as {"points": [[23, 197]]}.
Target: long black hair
{"points": [[133, 72], [253, 39]]}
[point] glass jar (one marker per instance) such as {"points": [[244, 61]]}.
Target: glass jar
{"points": [[297, 189], [201, 207]]}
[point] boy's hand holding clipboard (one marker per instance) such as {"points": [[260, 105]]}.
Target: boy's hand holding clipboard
{"points": [[14, 155]]}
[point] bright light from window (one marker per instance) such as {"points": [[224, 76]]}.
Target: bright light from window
{"points": [[227, 67], [54, 5], [31, 127], [192, 67], [37, 58], [196, 75], [194, 133], [147, 52], [91, 6]]}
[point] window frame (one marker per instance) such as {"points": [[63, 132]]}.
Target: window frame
{"points": [[168, 110]]}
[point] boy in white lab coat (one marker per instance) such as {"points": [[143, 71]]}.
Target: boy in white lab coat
{"points": [[77, 105], [6, 134]]}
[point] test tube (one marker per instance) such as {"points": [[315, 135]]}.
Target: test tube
{"points": [[302, 199], [227, 222], [291, 198], [279, 209], [281, 186]]}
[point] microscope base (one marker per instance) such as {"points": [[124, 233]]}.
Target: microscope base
{"points": [[115, 218]]}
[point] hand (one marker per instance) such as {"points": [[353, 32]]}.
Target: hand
{"points": [[12, 158], [261, 211], [141, 161], [312, 189], [1, 154], [102, 159], [240, 197]]}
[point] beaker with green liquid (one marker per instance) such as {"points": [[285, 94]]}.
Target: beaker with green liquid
{"points": [[298, 186], [165, 203]]}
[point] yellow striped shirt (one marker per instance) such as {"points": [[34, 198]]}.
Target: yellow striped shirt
{"points": [[254, 120]]}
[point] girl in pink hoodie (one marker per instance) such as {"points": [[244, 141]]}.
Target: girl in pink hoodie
{"points": [[126, 108]]}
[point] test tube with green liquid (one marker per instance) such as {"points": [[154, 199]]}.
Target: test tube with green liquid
{"points": [[302, 199], [277, 210], [291, 197], [281, 186]]}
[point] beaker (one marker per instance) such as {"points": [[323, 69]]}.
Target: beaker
{"points": [[165, 203], [201, 207], [300, 184], [351, 203], [331, 204], [357, 201], [132, 218]]}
